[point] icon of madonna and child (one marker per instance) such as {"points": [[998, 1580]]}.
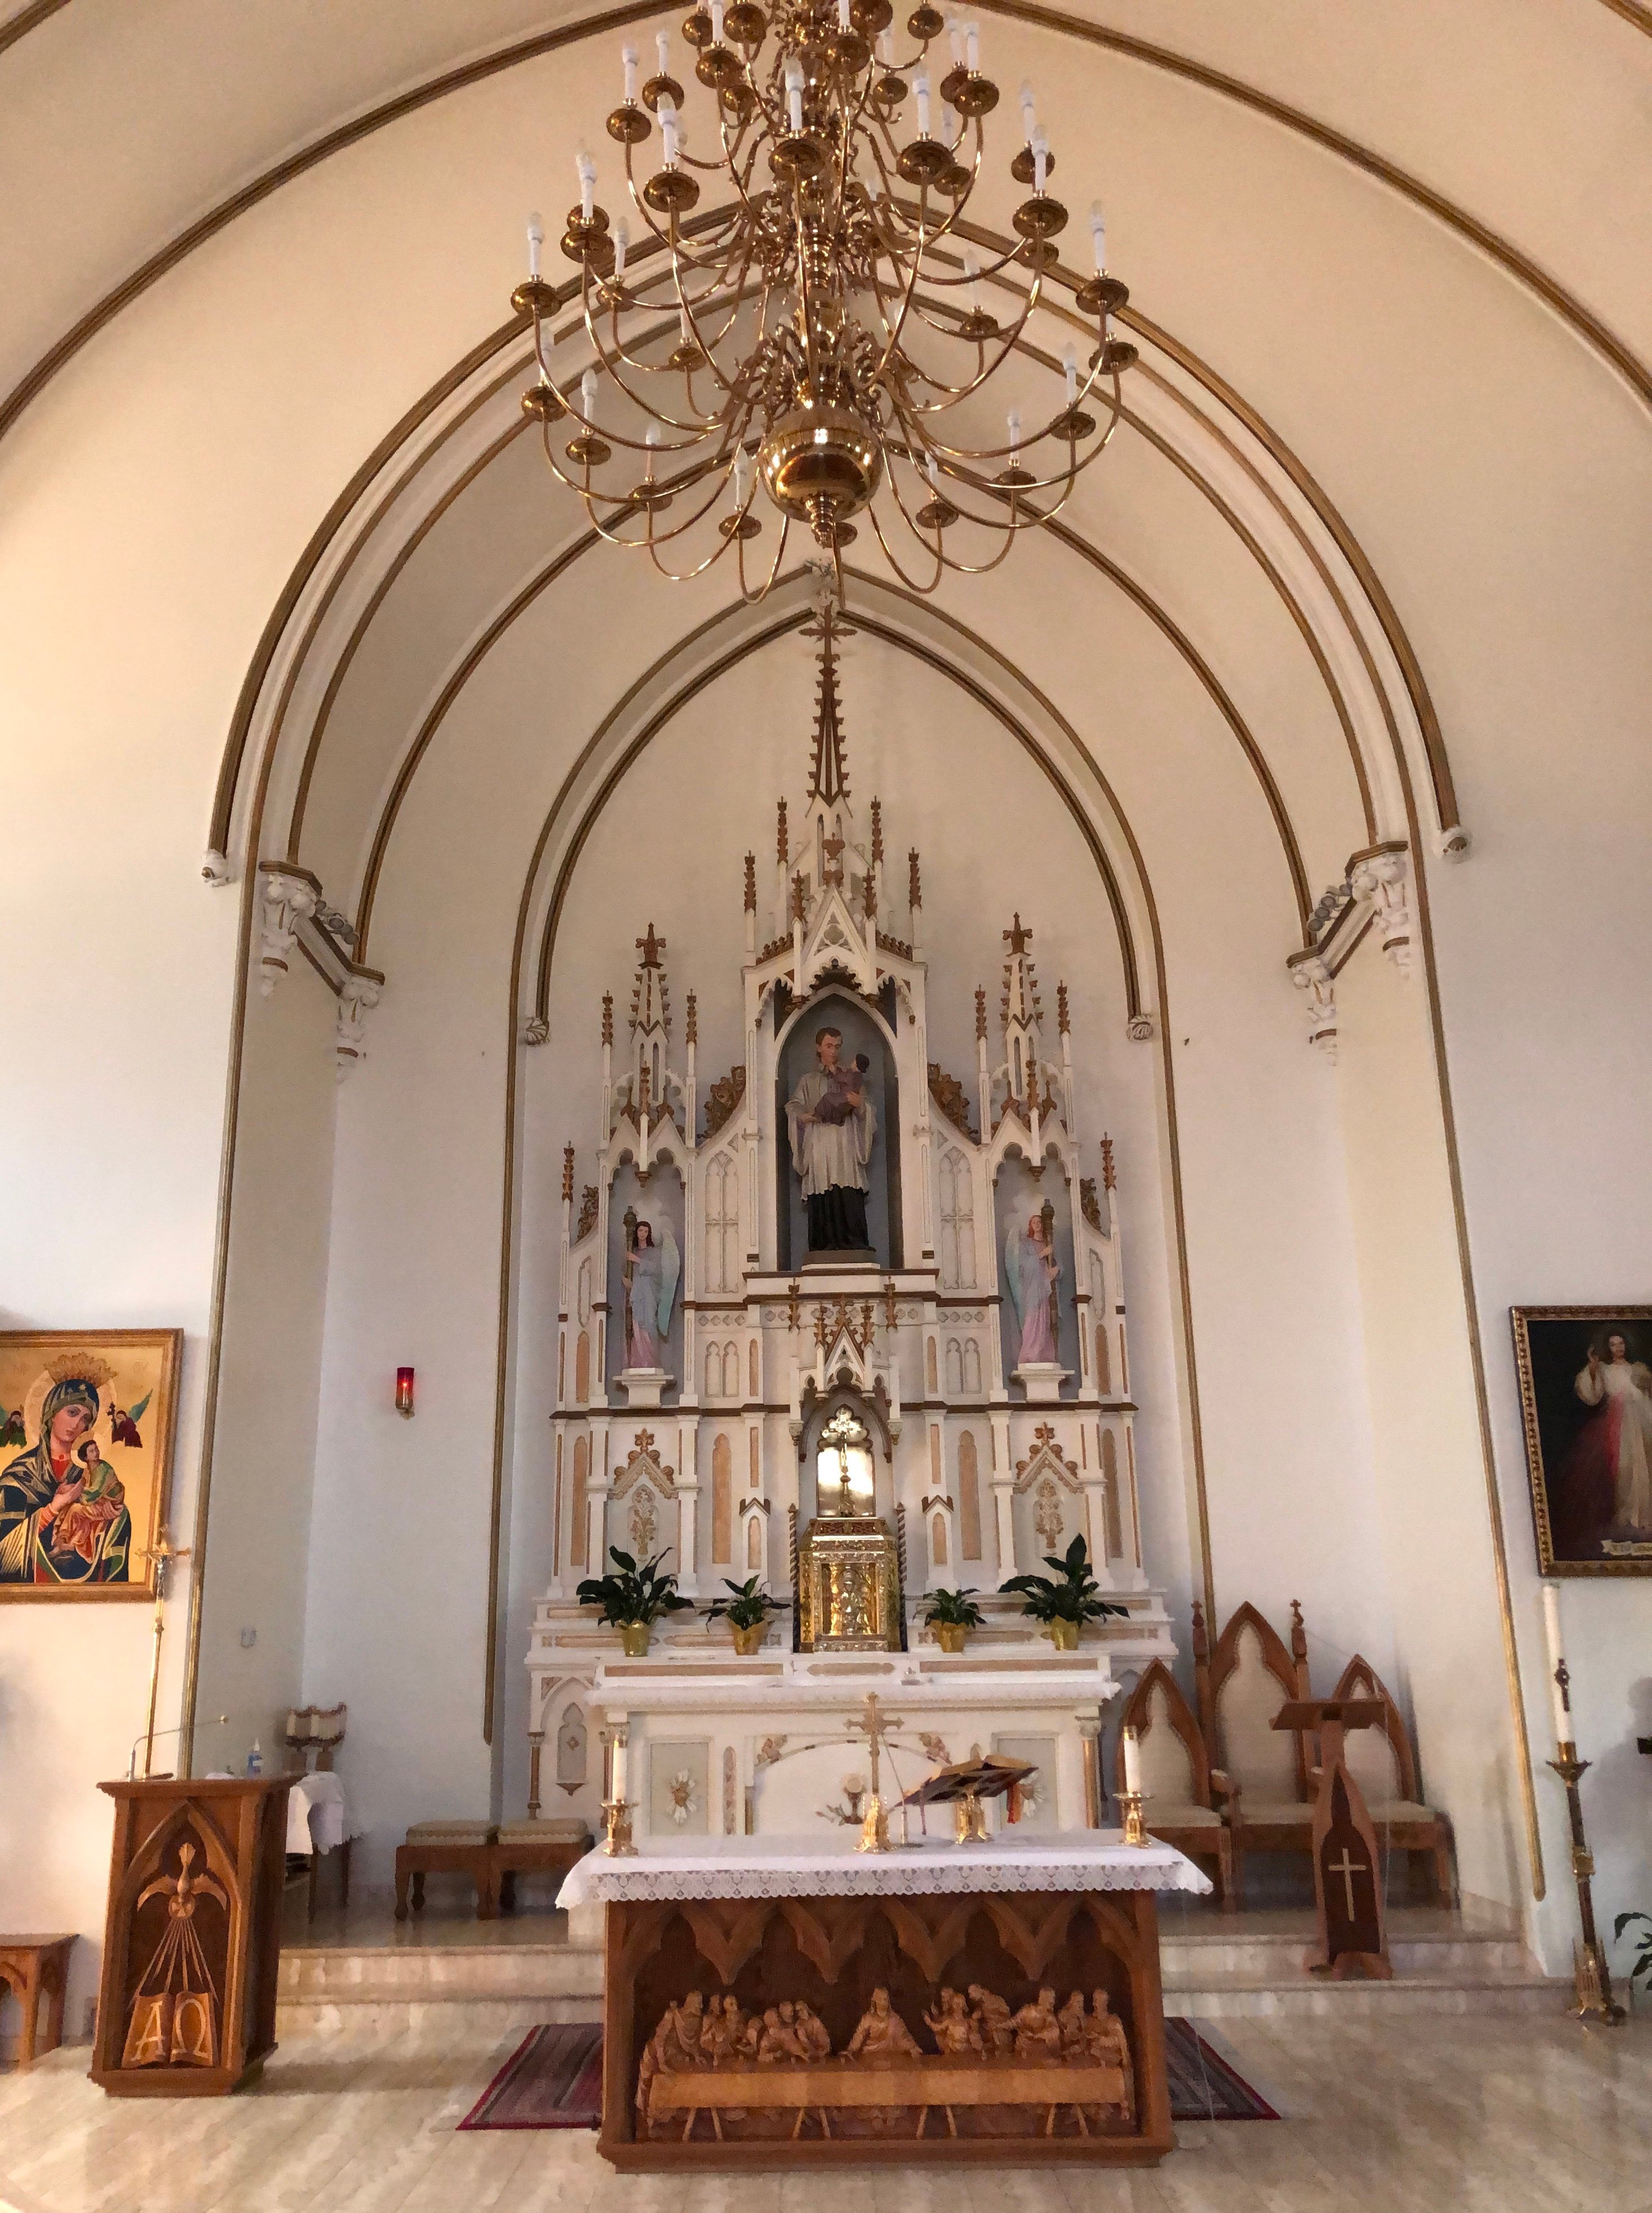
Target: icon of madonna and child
{"points": [[65, 1520]]}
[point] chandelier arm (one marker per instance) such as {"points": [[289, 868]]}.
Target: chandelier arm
{"points": [[911, 582], [756, 598], [900, 324]]}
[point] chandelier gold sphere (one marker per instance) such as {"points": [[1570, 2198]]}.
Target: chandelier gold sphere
{"points": [[821, 331]]}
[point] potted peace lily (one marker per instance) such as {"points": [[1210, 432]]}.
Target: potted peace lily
{"points": [[1065, 1602], [634, 1599], [746, 1612], [951, 1614]]}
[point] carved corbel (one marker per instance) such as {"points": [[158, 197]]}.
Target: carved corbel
{"points": [[1381, 879], [1139, 1028], [290, 894], [216, 870], [1310, 973], [358, 994]]}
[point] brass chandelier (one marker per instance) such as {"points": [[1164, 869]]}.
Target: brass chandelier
{"points": [[812, 333]]}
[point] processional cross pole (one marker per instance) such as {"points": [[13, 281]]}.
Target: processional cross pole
{"points": [[874, 1724]]}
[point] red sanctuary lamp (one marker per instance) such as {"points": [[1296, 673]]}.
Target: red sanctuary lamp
{"points": [[405, 1392]]}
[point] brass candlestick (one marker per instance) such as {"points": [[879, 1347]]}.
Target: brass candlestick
{"points": [[1130, 1800], [1594, 1977], [616, 1828]]}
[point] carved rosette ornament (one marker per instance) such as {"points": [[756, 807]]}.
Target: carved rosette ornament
{"points": [[1380, 878]]}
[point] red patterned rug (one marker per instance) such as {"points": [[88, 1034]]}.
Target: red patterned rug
{"points": [[553, 2080]]}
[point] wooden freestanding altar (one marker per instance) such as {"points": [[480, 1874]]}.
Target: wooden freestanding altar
{"points": [[787, 2002]]}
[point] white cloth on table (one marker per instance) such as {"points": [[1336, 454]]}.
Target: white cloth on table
{"points": [[807, 1867], [318, 1815]]}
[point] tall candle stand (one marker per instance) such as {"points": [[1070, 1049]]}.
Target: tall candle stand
{"points": [[1594, 1977]]}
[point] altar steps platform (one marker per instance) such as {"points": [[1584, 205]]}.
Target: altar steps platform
{"points": [[1218, 1966], [364, 1969], [444, 1968]]}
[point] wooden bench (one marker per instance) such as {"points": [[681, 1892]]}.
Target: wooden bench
{"points": [[33, 1967], [447, 1848], [535, 1848]]}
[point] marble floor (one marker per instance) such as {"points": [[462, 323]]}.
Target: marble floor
{"points": [[1416, 2116]]}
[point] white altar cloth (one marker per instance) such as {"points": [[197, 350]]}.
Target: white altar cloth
{"points": [[318, 1815], [807, 1867]]}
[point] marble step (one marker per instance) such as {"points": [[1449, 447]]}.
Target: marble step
{"points": [[439, 2018], [337, 1975], [1206, 1959], [1223, 1975]]}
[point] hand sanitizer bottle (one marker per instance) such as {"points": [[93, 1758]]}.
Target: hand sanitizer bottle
{"points": [[255, 1760]]}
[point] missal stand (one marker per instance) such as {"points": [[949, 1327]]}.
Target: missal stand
{"points": [[964, 1786], [1347, 1885], [194, 1937]]}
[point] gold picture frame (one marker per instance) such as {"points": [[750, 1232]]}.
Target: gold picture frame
{"points": [[88, 1420], [1586, 1407]]}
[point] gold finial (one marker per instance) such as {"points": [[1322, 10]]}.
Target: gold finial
{"points": [[568, 1173], [877, 833], [1061, 1009], [650, 948], [751, 883], [783, 849], [1018, 939], [1106, 1164], [914, 884], [980, 1011], [691, 1033], [799, 910], [608, 1018]]}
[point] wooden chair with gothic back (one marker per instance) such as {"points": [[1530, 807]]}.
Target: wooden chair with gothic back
{"points": [[1383, 1763], [1179, 1787], [1241, 1686]]}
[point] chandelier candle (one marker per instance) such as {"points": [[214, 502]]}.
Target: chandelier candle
{"points": [[809, 314]]}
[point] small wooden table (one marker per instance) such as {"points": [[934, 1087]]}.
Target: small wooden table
{"points": [[37, 1968], [1052, 1946]]}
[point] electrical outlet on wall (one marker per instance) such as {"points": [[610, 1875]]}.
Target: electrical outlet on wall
{"points": [[248, 1639]]}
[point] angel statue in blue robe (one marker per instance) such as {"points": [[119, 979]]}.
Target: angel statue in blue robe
{"points": [[1030, 1275], [651, 1272]]}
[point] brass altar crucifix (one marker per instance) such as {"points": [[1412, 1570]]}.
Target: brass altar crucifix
{"points": [[875, 1725]]}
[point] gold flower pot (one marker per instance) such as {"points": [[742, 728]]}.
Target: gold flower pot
{"points": [[747, 1641], [1063, 1635], [634, 1636], [950, 1634]]}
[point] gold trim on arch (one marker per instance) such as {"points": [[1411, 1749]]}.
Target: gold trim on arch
{"points": [[223, 801], [27, 20], [1570, 310], [564, 558]]}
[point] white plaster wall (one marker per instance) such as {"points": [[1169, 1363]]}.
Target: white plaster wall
{"points": [[274, 1303]]}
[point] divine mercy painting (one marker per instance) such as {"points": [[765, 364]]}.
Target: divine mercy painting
{"points": [[1586, 1395], [86, 1428]]}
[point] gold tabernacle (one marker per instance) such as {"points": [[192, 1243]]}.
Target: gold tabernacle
{"points": [[847, 1586]]}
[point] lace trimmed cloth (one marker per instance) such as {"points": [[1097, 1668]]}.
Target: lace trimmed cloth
{"points": [[802, 1867]]}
